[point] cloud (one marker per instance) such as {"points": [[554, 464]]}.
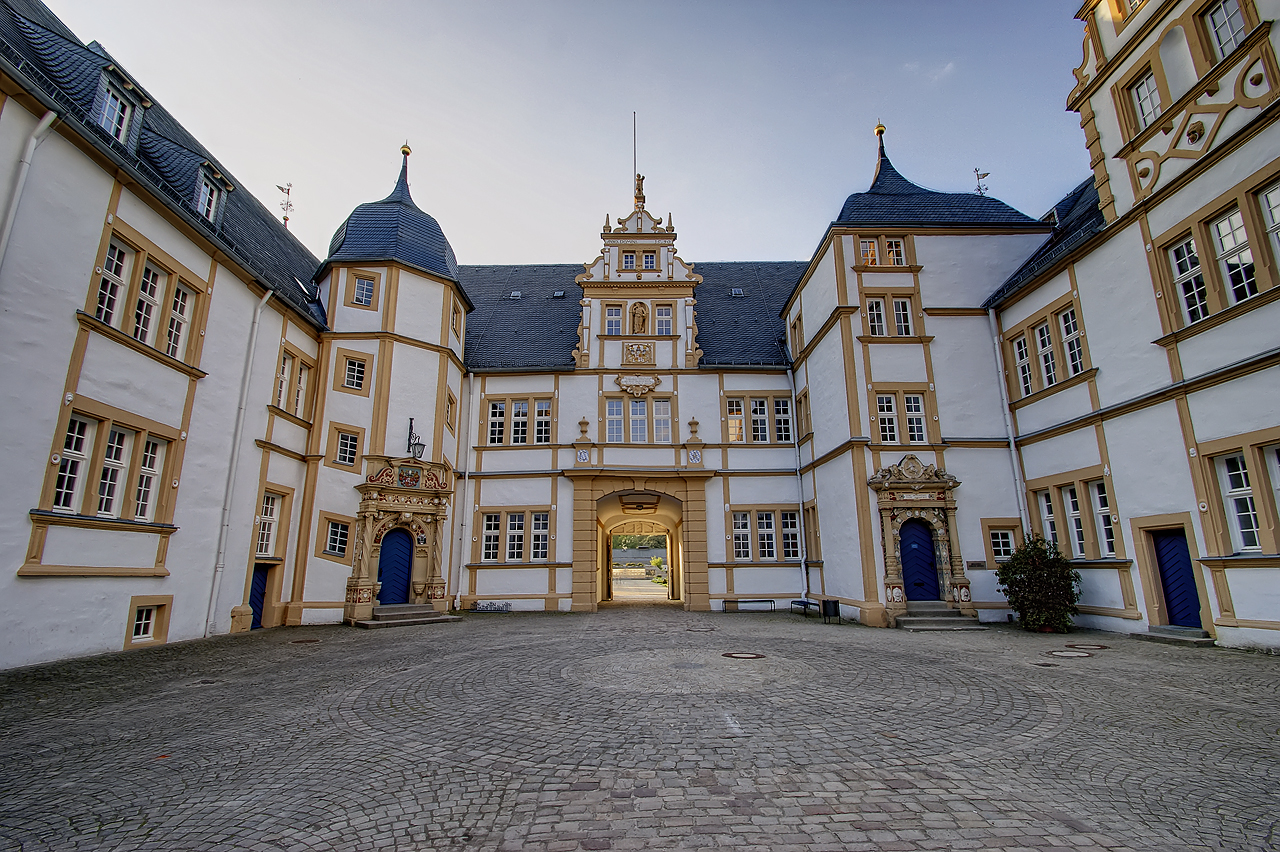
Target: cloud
{"points": [[933, 74]]}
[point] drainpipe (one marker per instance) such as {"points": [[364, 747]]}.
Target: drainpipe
{"points": [[1018, 484], [236, 434], [804, 541], [37, 136], [465, 453]]}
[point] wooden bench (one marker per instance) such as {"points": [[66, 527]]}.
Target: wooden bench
{"points": [[740, 601], [805, 606]]}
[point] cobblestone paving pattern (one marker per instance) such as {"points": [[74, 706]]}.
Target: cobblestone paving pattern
{"points": [[628, 729]]}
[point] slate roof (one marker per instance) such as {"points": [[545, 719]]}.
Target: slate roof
{"points": [[166, 158], [1075, 219], [394, 229], [892, 200], [539, 332]]}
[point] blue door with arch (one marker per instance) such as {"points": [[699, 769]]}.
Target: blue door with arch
{"points": [[1176, 577], [919, 567], [394, 565]]}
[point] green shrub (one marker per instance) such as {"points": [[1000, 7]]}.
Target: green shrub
{"points": [[1041, 585]]}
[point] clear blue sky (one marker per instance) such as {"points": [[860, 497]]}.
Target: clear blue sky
{"points": [[755, 118]]}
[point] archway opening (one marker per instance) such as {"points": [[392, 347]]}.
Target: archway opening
{"points": [[639, 549]]}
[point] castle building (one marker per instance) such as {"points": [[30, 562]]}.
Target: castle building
{"points": [[217, 431]]}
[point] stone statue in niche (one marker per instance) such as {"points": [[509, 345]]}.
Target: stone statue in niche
{"points": [[639, 318]]}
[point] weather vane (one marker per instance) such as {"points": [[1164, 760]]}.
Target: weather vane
{"points": [[287, 204], [982, 187]]}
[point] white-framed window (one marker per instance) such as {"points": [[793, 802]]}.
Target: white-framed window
{"points": [[282, 379], [1048, 359], [115, 461], [267, 525], [1269, 199], [662, 421], [74, 458], [207, 200], [300, 391], [1071, 341], [144, 623], [766, 535], [1189, 279], [354, 375], [515, 536], [149, 468], [1022, 359], [868, 251], [150, 292], [760, 420], [913, 408], [1235, 258], [362, 293], [886, 409], [348, 448], [790, 534], [336, 542], [492, 534], [650, 260], [1044, 499], [639, 421], [519, 421], [1146, 99], [540, 528], [741, 535], [1102, 514], [116, 110], [628, 260], [1001, 544], [179, 316], [115, 271], [1072, 501], [782, 420], [497, 421], [875, 317], [613, 320], [542, 421], [902, 317], [662, 320], [1226, 26], [895, 252], [1237, 492], [613, 421], [737, 429]]}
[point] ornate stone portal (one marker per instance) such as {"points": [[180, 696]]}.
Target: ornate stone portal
{"points": [[399, 493], [912, 489]]}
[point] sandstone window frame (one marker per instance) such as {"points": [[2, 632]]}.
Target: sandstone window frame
{"points": [[502, 528], [353, 293], [1040, 341], [121, 287], [763, 533]]}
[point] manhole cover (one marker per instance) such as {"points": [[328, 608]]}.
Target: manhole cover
{"points": [[1046, 665], [1069, 654], [1089, 647], [303, 641], [742, 655]]}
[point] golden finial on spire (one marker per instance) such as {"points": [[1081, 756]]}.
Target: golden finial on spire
{"points": [[405, 149], [880, 128]]}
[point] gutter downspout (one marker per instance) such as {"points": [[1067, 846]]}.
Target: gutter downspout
{"points": [[469, 455], [38, 135], [1019, 485], [804, 542], [236, 435]]}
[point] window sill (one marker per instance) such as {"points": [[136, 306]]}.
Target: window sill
{"points": [[61, 519], [1242, 560], [1101, 563], [94, 324], [893, 338], [1264, 297], [275, 560], [292, 418], [640, 337], [1043, 393], [884, 267]]}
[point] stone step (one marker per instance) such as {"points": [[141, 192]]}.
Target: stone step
{"points": [[438, 618], [1169, 634], [399, 611], [922, 607], [918, 623]]}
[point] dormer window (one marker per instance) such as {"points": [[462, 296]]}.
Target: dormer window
{"points": [[736, 292], [207, 202], [116, 110], [650, 260], [628, 260]]}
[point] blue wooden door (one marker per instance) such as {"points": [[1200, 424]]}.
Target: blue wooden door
{"points": [[1174, 561], [258, 594], [393, 568], [919, 568]]}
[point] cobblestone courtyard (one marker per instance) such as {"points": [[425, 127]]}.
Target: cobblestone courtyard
{"points": [[630, 729]]}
